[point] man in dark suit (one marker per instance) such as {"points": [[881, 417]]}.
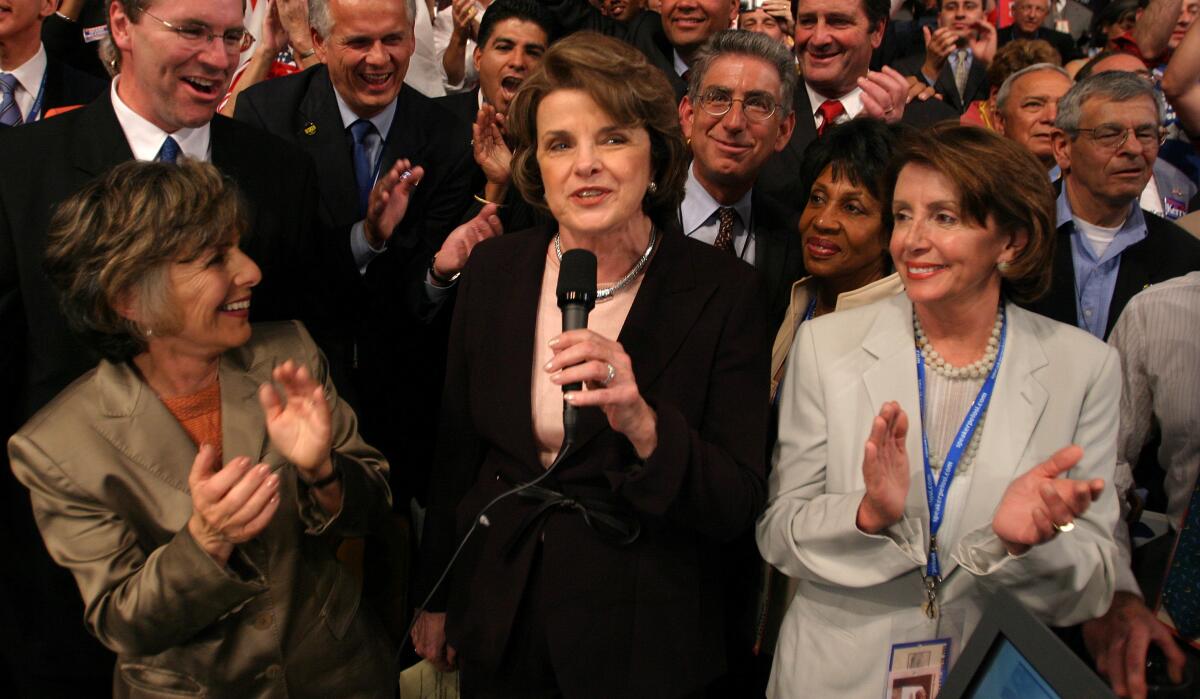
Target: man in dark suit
{"points": [[354, 115], [737, 113], [1108, 247], [834, 41], [1027, 24], [34, 85], [957, 54], [668, 37], [162, 105]]}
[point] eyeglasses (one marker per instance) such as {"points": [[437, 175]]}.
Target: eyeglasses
{"points": [[756, 107], [1112, 136], [199, 36]]}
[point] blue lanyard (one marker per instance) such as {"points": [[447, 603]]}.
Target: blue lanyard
{"points": [[936, 488], [36, 109], [812, 308]]}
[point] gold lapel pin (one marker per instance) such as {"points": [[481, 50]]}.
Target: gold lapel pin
{"points": [[310, 129]]}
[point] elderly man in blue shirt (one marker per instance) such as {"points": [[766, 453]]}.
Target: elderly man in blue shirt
{"points": [[1108, 247]]}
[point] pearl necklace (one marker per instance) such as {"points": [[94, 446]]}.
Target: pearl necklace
{"points": [[975, 370], [608, 292]]}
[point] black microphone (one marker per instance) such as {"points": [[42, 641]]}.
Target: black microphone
{"points": [[576, 297]]}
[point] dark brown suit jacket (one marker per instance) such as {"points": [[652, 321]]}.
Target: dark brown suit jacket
{"points": [[633, 621]]}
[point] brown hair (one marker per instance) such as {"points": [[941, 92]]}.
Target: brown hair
{"points": [[1019, 54], [630, 90], [115, 239], [999, 182]]}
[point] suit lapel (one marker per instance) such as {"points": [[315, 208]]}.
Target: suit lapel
{"points": [[99, 143], [668, 303], [320, 131], [1011, 418], [894, 375], [976, 78], [136, 423], [1133, 275], [946, 85], [243, 425], [806, 129]]}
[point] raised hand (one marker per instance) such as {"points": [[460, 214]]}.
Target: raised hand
{"points": [[885, 470], [464, 18], [585, 356], [1038, 500], [939, 44], [884, 94], [229, 506], [388, 201], [781, 10], [983, 42], [293, 16], [300, 428], [491, 152], [452, 256]]}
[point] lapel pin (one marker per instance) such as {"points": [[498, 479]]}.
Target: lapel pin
{"points": [[310, 129]]}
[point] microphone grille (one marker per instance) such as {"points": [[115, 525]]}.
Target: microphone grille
{"points": [[577, 278]]}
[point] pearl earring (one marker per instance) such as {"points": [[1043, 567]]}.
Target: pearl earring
{"points": [[1003, 267], [652, 188]]}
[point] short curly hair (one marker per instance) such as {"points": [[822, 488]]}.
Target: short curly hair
{"points": [[1012, 191], [630, 90], [114, 240], [1017, 55]]}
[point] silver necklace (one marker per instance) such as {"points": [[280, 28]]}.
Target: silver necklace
{"points": [[608, 292]]}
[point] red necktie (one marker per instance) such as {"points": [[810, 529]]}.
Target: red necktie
{"points": [[829, 110]]}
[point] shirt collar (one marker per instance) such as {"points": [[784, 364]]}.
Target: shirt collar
{"points": [[681, 65], [29, 74], [1131, 231], [851, 101], [698, 205], [382, 120], [145, 139]]}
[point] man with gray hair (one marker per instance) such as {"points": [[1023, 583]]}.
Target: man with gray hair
{"points": [[375, 139], [1108, 247], [737, 112], [1027, 105]]}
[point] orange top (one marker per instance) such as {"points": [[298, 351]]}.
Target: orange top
{"points": [[200, 414]]}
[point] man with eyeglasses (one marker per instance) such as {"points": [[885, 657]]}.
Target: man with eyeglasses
{"points": [[736, 114], [176, 59], [1109, 131], [1028, 16]]}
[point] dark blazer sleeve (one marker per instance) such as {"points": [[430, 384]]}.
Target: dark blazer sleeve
{"points": [[711, 477]]}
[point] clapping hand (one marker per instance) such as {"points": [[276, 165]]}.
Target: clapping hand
{"points": [[983, 42], [453, 255], [939, 44], [884, 94], [388, 201], [300, 426], [1039, 502], [229, 506], [492, 154], [885, 470]]}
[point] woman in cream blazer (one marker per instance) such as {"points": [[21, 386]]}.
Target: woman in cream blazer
{"points": [[858, 592]]}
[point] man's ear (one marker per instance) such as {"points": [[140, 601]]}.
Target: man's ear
{"points": [[1060, 144], [687, 113], [318, 44], [476, 57], [118, 26]]}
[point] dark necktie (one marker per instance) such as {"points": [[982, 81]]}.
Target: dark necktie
{"points": [[829, 110], [360, 130], [1181, 590], [10, 114], [169, 152], [724, 239]]}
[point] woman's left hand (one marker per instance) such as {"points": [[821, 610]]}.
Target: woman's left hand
{"points": [[1039, 501], [301, 428], [611, 385]]}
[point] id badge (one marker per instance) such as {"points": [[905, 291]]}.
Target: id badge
{"points": [[917, 670]]}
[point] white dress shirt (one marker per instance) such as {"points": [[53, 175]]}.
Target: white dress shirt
{"points": [[851, 103], [29, 83], [145, 139], [699, 214]]}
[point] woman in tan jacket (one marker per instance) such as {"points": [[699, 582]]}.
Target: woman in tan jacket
{"points": [[206, 580]]}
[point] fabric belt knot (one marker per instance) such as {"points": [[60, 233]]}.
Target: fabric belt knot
{"points": [[606, 515]]}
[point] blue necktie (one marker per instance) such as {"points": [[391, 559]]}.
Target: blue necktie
{"points": [[361, 129], [169, 151], [10, 114]]}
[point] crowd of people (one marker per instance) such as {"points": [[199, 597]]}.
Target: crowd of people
{"points": [[888, 305]]}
